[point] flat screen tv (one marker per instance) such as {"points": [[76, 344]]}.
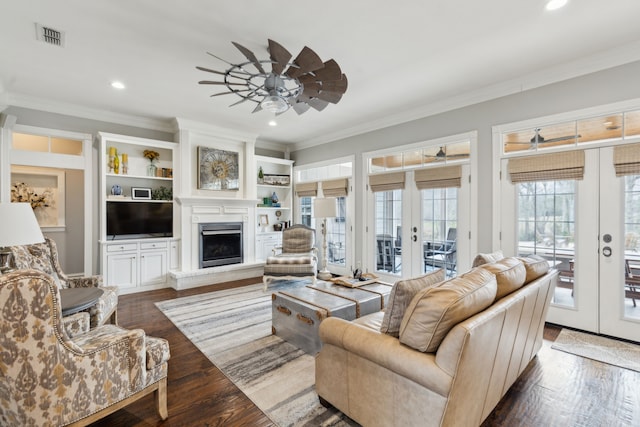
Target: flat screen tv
{"points": [[136, 220]]}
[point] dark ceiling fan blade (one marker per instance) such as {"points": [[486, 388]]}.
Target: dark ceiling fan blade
{"points": [[250, 56], [337, 86], [311, 89], [307, 60], [331, 97], [279, 55], [210, 82], [330, 71]]}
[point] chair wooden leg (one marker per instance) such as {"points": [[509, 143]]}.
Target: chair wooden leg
{"points": [[161, 399], [266, 281]]}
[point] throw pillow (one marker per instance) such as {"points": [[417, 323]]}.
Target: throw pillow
{"points": [[434, 311], [535, 267], [400, 297], [510, 275], [487, 258]]}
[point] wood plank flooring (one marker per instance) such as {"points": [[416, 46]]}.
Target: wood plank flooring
{"points": [[556, 389]]}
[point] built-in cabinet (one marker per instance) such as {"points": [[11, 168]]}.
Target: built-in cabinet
{"points": [[275, 177], [137, 219]]}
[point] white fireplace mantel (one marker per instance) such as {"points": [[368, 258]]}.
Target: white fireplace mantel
{"points": [[196, 210]]}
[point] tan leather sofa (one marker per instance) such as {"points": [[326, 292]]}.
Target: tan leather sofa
{"points": [[377, 380]]}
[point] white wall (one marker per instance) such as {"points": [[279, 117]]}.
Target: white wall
{"points": [[604, 87]]}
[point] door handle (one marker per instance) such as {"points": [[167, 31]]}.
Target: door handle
{"points": [[415, 238], [606, 251]]}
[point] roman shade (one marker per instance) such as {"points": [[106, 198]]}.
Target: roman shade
{"points": [[335, 187], [547, 167], [626, 159], [387, 181], [442, 177], [307, 189]]}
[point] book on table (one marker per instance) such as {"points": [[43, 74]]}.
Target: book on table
{"points": [[354, 283]]}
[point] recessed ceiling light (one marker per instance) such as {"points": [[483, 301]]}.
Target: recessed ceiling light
{"points": [[117, 85], [555, 4], [273, 123]]}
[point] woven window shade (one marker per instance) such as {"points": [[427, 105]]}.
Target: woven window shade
{"points": [[443, 177], [335, 187], [307, 189], [626, 159], [387, 181], [547, 167]]}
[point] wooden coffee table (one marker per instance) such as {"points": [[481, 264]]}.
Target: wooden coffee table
{"points": [[74, 300]]}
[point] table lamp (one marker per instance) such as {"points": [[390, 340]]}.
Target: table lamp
{"points": [[324, 208], [18, 226]]}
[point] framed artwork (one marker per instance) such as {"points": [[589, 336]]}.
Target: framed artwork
{"points": [[44, 188], [264, 220], [217, 169]]}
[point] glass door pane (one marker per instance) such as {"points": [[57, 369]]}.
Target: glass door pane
{"points": [[632, 247], [388, 231], [546, 227], [337, 235], [439, 229]]}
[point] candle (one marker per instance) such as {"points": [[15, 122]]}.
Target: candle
{"points": [[112, 151], [125, 158]]}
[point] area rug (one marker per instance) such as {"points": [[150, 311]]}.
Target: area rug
{"points": [[602, 349], [233, 329]]}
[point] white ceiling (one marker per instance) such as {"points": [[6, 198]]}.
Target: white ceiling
{"points": [[404, 59]]}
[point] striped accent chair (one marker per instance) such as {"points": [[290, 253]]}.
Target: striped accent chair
{"points": [[297, 257], [44, 257]]}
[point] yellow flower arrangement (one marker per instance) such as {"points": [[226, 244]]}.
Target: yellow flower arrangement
{"points": [[151, 155]]}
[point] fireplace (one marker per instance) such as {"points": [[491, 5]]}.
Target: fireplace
{"points": [[220, 244]]}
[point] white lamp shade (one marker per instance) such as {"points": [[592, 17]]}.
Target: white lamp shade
{"points": [[325, 208], [18, 225]]}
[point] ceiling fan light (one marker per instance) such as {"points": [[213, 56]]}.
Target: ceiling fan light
{"points": [[274, 104]]}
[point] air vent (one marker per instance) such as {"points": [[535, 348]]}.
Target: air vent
{"points": [[49, 35]]}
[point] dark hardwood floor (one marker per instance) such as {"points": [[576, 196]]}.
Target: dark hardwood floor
{"points": [[556, 389]]}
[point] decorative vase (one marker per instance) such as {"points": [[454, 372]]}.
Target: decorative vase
{"points": [[116, 164], [151, 170], [274, 198], [260, 176]]}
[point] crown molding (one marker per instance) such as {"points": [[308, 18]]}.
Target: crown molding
{"points": [[210, 129], [604, 60], [48, 105]]}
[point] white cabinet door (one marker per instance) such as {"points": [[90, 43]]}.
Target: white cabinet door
{"points": [[266, 243], [153, 267], [121, 269]]}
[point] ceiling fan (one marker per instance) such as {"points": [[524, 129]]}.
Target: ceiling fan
{"points": [[538, 139], [441, 155], [306, 82]]}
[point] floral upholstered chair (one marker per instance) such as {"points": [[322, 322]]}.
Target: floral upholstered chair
{"points": [[297, 257], [44, 257], [49, 379]]}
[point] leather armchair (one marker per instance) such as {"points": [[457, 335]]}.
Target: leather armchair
{"points": [[44, 257], [50, 379]]}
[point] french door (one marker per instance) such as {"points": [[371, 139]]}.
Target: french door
{"points": [[587, 229], [414, 231]]}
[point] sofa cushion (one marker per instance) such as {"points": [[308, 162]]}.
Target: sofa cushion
{"points": [[510, 275], [535, 267], [400, 297], [435, 310], [487, 258]]}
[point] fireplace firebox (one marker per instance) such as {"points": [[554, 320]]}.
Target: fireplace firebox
{"points": [[220, 244]]}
